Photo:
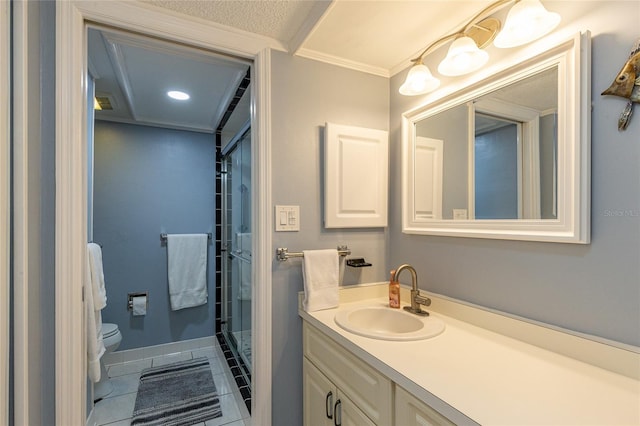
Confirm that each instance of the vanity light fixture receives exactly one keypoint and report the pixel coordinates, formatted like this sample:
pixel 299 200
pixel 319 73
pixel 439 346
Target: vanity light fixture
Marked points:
pixel 464 57
pixel 178 95
pixel 419 80
pixel 527 21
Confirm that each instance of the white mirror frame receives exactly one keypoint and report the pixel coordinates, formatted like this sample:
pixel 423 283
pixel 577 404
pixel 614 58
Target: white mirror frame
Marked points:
pixel 573 59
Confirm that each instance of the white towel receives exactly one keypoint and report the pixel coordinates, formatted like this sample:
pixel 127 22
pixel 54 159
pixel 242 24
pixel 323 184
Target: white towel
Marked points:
pixel 93 320
pixel 97 276
pixel 320 273
pixel 187 270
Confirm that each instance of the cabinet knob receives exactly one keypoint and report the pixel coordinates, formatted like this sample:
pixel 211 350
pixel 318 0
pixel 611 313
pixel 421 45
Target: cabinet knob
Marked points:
pixel 337 413
pixel 328 405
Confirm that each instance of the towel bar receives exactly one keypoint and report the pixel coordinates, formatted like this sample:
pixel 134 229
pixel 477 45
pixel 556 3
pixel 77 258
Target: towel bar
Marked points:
pixel 283 254
pixel 163 238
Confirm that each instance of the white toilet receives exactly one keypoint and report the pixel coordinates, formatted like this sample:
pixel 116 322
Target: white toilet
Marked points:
pixel 111 337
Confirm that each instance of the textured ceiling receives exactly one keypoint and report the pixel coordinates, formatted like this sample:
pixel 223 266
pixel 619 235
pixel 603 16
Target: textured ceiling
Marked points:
pixel 271 18
pixel 375 36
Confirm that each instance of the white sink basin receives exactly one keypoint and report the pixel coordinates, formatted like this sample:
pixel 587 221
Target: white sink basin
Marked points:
pixel 386 323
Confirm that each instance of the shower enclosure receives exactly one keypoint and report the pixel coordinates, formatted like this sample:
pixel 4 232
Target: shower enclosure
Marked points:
pixel 236 238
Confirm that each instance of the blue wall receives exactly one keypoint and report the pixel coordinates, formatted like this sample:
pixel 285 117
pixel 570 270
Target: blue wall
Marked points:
pixel 305 95
pixel 150 181
pixel 496 174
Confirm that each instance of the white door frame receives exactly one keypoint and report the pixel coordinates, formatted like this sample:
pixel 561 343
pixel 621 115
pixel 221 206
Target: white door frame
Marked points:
pixel 5 205
pixel 71 181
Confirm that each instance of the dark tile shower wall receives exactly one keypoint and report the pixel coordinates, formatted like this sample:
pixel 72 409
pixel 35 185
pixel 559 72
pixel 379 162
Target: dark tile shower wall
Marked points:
pixel 218 234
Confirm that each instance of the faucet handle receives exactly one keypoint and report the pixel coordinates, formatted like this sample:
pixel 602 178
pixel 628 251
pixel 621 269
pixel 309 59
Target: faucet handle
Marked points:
pixel 422 300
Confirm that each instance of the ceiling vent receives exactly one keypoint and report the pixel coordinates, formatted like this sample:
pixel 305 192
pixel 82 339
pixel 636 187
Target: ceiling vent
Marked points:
pixel 104 102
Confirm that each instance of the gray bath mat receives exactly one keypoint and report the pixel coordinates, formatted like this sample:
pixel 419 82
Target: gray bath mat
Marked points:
pixel 182 393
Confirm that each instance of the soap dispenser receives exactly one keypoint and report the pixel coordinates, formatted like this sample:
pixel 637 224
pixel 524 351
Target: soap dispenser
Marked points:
pixel 394 291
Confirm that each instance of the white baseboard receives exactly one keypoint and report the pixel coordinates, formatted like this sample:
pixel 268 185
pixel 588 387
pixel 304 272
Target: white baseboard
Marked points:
pixel 158 350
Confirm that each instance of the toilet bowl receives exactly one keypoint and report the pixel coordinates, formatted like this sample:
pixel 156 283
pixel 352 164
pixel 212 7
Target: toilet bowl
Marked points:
pixel 111 337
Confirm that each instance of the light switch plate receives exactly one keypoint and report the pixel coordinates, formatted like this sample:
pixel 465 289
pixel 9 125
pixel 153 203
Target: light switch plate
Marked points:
pixel 287 218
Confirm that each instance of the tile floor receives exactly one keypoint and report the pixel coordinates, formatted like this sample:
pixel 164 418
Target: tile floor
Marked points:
pixel 116 409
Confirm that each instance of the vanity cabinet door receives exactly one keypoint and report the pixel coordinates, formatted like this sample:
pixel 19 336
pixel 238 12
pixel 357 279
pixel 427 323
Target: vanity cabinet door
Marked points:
pixel 412 412
pixel 319 396
pixel 366 387
pixel 347 414
pixel 324 404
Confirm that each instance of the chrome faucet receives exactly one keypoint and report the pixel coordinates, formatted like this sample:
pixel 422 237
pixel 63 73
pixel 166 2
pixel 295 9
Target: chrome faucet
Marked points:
pixel 416 298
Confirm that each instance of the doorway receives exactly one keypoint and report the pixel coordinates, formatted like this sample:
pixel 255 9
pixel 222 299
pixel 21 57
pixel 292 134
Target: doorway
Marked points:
pixel 71 180
pixel 153 173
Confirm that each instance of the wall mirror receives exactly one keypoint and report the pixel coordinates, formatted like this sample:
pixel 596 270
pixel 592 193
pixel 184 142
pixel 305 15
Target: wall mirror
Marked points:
pixel 506 158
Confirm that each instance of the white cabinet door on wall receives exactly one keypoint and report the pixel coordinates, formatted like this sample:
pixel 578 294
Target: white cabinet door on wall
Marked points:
pixel 356 177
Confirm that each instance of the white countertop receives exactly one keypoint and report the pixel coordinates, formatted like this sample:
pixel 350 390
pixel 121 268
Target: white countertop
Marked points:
pixel 491 378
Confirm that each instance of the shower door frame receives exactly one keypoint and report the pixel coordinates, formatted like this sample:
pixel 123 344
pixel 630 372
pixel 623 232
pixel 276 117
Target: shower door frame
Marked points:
pixel 72 18
pixel 226 151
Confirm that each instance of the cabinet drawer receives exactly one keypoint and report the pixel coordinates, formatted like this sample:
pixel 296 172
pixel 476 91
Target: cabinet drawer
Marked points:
pixel 410 411
pixel 368 389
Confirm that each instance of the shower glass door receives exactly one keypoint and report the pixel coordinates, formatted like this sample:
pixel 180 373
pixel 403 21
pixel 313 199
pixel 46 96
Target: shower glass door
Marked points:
pixel 237 240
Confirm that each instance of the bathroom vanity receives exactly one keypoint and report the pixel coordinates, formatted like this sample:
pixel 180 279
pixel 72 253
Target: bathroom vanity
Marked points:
pixel 485 368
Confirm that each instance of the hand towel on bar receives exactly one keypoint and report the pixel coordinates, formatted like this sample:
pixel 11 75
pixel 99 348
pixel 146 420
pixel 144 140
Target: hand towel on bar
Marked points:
pixel 93 320
pixel 97 276
pixel 320 273
pixel 187 270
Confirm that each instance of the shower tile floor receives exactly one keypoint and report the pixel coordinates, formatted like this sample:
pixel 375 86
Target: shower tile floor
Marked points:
pixel 116 409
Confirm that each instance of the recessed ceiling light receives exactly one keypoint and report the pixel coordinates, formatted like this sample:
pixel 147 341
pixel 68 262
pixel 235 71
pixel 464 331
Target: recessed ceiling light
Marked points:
pixel 176 94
